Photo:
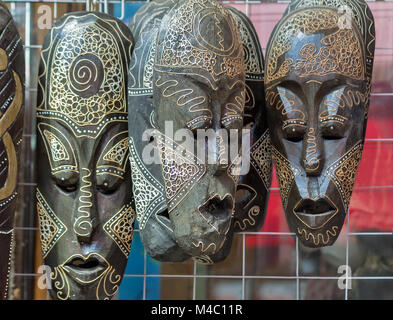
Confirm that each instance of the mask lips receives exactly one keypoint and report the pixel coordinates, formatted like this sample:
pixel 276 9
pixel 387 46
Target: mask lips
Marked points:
pixel 315 213
pixel 218 212
pixel 86 269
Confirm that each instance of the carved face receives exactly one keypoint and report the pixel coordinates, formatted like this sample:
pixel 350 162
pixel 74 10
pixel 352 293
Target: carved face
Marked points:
pixel 199 82
pixel 84 201
pixel 148 184
pixel 317 91
pixel 251 197
pixel 253 188
pixel 11 129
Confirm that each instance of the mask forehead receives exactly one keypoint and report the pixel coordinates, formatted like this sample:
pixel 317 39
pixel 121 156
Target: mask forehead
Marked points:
pixel 199 49
pixel 84 195
pixel 339 51
pixel 200 37
pixel 85 75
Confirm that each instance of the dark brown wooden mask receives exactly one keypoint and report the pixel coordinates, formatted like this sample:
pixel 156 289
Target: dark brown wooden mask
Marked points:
pixel 198 83
pixel 318 80
pixel 152 210
pixel 84 198
pixel 12 77
pixel 253 187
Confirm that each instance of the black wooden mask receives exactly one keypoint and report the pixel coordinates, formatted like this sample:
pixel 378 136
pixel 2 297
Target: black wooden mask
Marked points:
pixel 84 197
pixel 198 83
pixel 156 230
pixel 12 78
pixel 318 81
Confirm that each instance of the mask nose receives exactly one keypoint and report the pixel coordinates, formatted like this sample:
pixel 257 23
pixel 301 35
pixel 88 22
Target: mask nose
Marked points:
pixel 83 224
pixel 313 158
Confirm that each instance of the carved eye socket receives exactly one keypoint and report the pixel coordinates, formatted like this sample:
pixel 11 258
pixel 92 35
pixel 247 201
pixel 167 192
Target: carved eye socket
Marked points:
pixel 294 133
pixel 332 131
pixel 69 189
pixel 108 185
pixel 66 181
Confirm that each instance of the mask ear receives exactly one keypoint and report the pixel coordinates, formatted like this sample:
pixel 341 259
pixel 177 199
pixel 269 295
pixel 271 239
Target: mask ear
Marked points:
pixel 59 150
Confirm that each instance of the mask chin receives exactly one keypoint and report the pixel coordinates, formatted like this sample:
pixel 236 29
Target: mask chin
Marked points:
pixel 163 246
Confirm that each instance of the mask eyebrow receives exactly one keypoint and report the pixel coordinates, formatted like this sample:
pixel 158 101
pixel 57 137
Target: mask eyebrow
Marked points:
pixel 329 86
pixel 294 87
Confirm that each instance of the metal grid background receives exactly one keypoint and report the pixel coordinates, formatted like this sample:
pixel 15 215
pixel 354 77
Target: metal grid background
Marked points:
pixel 24 274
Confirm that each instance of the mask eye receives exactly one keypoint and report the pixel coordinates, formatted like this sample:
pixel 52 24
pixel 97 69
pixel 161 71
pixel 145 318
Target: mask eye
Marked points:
pixel 69 189
pixel 294 133
pixel 66 181
pixel 108 184
pixel 332 131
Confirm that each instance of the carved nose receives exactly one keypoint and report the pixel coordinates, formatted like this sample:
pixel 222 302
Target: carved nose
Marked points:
pixel 83 225
pixel 83 229
pixel 312 154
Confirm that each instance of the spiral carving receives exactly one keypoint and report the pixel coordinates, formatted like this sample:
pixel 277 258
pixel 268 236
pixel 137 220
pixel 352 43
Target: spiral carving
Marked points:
pixel 86 75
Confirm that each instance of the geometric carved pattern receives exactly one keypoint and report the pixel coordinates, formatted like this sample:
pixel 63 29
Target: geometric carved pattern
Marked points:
pixel 184 48
pixel 57 148
pixel 50 226
pixel 261 158
pixel 180 169
pixel 84 87
pixel 286 174
pixel 318 238
pixel 343 172
pixel 120 228
pixel 148 193
pixel 252 60
pixel 117 153
pixel 346 60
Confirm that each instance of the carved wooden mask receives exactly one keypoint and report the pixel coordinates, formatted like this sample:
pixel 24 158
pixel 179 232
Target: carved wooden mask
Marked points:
pixel 84 197
pixel 318 80
pixel 12 77
pixel 152 214
pixel 198 83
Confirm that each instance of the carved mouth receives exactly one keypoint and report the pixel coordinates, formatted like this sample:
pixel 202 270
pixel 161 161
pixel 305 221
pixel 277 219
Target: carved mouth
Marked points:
pixel 86 269
pixel 315 213
pixel 218 212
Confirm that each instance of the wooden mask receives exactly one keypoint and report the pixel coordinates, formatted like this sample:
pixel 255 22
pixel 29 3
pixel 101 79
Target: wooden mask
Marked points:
pixel 155 226
pixel 318 81
pixel 84 197
pixel 198 83
pixel 12 78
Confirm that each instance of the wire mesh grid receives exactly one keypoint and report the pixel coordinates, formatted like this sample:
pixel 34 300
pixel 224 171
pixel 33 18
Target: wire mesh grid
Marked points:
pixel 23 13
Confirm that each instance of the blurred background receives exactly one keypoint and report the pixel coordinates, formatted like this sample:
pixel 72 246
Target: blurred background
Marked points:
pixel 271 263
